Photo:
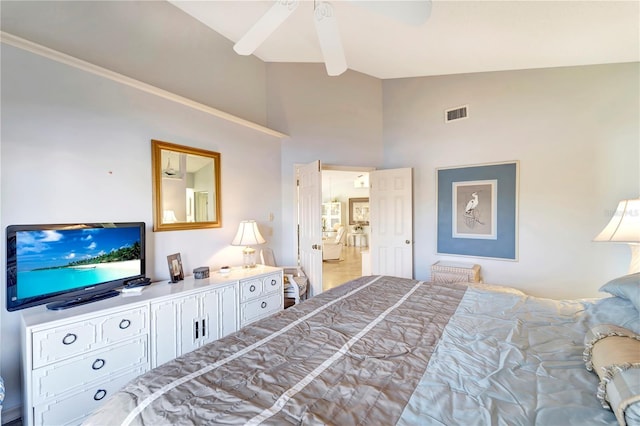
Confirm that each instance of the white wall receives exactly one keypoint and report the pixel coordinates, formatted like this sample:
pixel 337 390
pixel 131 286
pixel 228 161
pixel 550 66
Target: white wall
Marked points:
pixel 151 41
pixel 77 147
pixel 337 120
pixel 576 134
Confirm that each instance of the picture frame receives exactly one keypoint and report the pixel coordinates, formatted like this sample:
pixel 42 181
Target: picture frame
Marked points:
pixel 176 272
pixel 359 211
pixel 477 210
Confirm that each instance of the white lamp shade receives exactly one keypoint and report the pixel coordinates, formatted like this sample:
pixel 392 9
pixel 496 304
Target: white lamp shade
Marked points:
pixel 248 234
pixel 624 226
pixel 169 216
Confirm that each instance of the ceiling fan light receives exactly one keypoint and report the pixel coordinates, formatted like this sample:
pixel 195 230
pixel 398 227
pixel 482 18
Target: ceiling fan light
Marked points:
pixel 329 37
pixel 265 26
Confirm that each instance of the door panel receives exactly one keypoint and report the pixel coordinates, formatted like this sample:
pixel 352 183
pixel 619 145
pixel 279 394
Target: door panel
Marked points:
pixel 391 209
pixel 310 224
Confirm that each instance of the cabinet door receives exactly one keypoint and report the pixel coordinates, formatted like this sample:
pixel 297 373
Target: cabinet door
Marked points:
pixel 190 326
pixel 228 310
pixel 164 332
pixel 210 320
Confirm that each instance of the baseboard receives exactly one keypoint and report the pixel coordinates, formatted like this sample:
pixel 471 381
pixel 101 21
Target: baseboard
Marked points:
pixel 11 414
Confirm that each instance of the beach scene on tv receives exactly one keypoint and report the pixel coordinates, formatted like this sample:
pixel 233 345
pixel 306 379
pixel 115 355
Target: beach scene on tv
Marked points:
pixel 58 260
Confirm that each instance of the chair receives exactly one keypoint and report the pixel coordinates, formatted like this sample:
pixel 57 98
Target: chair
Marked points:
pixel 332 249
pixel 296 282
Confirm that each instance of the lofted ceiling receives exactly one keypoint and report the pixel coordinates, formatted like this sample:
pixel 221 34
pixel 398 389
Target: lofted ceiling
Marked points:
pixel 459 37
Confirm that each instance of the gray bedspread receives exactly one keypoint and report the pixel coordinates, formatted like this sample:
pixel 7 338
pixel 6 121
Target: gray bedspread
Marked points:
pixel 352 355
pixel 384 351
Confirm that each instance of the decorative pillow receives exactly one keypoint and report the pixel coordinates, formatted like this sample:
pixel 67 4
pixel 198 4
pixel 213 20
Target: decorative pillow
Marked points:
pixel 626 287
pixel 613 352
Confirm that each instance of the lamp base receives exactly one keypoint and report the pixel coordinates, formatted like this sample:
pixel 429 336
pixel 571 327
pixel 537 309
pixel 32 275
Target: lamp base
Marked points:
pixel 249 257
pixel 634 266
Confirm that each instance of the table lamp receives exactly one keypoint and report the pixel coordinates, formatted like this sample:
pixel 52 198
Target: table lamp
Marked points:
pixel 624 227
pixel 248 235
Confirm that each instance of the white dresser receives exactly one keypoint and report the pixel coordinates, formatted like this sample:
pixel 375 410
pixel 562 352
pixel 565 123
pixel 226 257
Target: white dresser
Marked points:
pixel 73 359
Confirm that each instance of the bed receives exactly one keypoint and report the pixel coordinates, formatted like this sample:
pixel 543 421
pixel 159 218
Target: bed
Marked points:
pixel 388 350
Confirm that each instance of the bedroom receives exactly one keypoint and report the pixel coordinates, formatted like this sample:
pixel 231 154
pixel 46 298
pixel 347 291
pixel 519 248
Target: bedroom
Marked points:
pixel 78 144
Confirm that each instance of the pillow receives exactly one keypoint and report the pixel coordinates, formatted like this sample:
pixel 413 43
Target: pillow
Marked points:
pixel 626 287
pixel 613 352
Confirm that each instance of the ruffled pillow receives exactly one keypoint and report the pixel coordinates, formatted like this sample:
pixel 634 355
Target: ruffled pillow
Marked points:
pixel 626 287
pixel 613 352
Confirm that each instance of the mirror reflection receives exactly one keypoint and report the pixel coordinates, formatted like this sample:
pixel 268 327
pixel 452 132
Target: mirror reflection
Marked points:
pixel 186 187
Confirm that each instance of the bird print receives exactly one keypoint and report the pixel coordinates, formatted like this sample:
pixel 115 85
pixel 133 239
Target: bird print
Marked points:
pixel 471 214
pixel 472 204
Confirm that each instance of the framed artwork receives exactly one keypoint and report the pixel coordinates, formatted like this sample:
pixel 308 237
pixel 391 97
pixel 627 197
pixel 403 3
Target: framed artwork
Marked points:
pixel 358 211
pixel 175 267
pixel 477 212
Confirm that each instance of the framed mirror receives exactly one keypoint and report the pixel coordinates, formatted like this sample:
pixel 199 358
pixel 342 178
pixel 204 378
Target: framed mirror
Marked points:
pixel 186 187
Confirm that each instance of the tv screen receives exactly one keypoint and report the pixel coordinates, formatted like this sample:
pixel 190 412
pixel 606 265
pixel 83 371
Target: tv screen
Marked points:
pixel 64 265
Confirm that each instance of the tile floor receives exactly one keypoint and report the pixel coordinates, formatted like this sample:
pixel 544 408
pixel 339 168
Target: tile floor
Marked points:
pixel 336 272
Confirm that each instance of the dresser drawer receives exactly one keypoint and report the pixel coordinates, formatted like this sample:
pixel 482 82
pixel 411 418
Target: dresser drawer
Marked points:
pixel 72 339
pixel 250 289
pixel 65 376
pixel 59 343
pixel 255 309
pixel 124 325
pixel 272 284
pixel 74 408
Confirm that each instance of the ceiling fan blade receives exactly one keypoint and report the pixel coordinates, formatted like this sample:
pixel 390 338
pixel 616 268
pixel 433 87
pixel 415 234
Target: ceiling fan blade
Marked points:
pixel 329 37
pixel 413 12
pixel 265 26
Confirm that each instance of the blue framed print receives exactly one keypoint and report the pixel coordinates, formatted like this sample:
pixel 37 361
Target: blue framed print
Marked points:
pixel 478 210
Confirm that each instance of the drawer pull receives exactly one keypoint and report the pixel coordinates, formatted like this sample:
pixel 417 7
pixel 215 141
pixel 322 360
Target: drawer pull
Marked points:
pixel 69 339
pixel 125 323
pixel 273 282
pixel 252 288
pixel 98 364
pixel 100 393
pixel 263 305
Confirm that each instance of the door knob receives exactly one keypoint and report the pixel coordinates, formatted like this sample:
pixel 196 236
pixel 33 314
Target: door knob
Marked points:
pixel 407 242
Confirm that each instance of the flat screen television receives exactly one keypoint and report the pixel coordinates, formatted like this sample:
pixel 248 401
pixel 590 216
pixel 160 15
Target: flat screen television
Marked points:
pixel 65 265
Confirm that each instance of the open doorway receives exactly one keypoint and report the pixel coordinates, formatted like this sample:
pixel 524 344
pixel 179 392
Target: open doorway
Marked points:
pixel 345 204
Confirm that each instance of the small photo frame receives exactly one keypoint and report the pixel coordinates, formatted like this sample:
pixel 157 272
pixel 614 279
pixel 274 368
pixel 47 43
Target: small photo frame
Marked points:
pixel 175 267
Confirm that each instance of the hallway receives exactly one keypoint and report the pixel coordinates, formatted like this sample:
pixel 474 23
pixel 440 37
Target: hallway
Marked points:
pixel 335 272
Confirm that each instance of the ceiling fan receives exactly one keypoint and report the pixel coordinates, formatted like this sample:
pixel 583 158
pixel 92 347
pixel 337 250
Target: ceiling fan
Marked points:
pixel 414 12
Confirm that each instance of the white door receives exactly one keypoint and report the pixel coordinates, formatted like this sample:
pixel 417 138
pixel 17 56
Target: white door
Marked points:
pixel 391 219
pixel 310 224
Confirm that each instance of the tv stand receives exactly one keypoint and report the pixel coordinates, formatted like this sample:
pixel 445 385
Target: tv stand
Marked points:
pixel 75 358
pixel 66 304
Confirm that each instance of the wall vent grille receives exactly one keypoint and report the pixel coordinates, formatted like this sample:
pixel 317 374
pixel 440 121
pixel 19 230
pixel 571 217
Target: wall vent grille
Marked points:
pixel 457 113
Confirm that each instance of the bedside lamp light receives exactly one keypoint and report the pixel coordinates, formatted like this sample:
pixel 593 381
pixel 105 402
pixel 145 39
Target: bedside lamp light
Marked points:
pixel 624 227
pixel 248 235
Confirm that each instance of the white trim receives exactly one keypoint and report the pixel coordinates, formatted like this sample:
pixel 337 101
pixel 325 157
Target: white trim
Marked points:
pixel 63 58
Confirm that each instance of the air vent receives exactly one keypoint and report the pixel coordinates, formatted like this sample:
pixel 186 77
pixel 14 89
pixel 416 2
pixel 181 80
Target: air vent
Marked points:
pixel 457 113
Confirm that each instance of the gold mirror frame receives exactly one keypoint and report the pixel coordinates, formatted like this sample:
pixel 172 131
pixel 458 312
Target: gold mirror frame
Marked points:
pixel 163 214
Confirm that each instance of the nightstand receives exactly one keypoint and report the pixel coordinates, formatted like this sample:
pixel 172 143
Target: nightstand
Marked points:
pixel 453 272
